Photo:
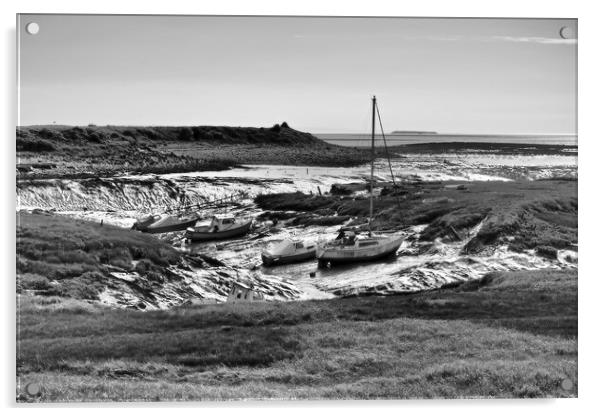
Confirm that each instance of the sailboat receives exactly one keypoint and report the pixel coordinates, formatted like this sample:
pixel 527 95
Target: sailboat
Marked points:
pixel 350 246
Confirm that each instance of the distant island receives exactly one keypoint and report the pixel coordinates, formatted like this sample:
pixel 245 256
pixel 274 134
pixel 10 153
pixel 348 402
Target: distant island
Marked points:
pixel 413 132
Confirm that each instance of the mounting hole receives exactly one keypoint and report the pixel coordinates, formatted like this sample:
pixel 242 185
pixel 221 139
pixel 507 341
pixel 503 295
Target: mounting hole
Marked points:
pixel 33 389
pixel 567 32
pixel 32 28
pixel 566 384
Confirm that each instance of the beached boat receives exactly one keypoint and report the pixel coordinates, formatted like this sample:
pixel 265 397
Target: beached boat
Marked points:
pixel 220 228
pixel 144 222
pixel 350 247
pixel 241 293
pixel 288 251
pixel 156 224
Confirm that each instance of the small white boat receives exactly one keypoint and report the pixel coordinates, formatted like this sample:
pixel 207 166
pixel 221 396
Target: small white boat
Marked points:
pixel 349 247
pixel 288 251
pixel 243 293
pixel 219 228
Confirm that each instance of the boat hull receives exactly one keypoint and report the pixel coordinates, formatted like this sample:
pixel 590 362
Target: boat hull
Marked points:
pixel 219 235
pixel 168 228
pixel 269 260
pixel 143 224
pixel 352 255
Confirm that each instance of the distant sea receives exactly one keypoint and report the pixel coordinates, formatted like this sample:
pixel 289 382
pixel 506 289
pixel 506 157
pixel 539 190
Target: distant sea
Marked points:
pixel 361 140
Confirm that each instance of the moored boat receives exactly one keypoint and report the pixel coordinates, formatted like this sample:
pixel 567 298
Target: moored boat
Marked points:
pixel 220 228
pixel 348 246
pixel 156 224
pixel 144 222
pixel 288 251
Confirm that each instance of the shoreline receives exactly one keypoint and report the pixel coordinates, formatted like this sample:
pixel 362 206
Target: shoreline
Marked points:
pixel 226 157
pixel 53 152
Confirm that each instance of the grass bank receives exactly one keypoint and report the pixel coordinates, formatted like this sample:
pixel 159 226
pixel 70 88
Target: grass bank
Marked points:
pixel 58 255
pixel 67 258
pixel 509 335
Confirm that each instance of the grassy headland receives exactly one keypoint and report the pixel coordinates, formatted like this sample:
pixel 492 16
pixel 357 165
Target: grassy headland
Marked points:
pixel 67 151
pixel 508 335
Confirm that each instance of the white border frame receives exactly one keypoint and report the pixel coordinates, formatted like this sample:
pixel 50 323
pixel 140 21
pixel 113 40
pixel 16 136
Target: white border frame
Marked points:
pixel 589 153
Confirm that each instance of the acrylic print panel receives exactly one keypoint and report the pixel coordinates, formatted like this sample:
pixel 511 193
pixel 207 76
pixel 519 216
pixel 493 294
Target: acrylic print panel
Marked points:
pixel 218 208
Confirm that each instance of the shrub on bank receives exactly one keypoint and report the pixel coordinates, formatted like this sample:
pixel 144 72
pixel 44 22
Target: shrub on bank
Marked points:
pixel 547 252
pixel 34 145
pixel 32 281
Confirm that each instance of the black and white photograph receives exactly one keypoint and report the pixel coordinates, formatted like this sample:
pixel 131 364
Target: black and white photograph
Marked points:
pixel 228 208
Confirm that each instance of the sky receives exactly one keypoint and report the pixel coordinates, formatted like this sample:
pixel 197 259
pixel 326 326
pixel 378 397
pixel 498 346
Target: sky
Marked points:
pixel 489 76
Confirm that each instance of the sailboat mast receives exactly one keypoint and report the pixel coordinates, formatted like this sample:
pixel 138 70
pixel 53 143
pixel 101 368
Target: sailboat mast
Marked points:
pixel 372 167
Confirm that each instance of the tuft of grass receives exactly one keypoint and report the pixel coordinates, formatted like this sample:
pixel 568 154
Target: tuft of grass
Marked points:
pixel 297 201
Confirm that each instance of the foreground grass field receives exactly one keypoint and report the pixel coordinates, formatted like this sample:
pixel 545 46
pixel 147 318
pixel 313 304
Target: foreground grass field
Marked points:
pixel 508 335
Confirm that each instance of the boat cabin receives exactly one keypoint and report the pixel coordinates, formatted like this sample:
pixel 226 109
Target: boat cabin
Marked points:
pixel 290 247
pixel 221 223
pixel 346 238
pixel 243 293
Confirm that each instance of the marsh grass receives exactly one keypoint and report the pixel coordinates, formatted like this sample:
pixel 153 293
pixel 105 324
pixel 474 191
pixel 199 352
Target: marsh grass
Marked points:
pixel 494 338
pixel 69 257
pixel 525 215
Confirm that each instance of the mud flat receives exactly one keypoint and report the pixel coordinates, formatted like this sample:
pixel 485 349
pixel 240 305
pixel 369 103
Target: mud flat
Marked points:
pixel 462 216
pixel 500 148
pixel 455 231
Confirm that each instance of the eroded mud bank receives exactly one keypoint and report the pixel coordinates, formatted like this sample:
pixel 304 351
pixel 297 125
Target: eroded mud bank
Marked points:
pixel 426 260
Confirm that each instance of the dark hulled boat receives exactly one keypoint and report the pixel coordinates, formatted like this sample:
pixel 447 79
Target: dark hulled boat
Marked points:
pixel 157 224
pixel 220 228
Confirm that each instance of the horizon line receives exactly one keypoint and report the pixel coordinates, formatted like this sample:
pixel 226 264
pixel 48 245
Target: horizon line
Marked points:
pixel 412 132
